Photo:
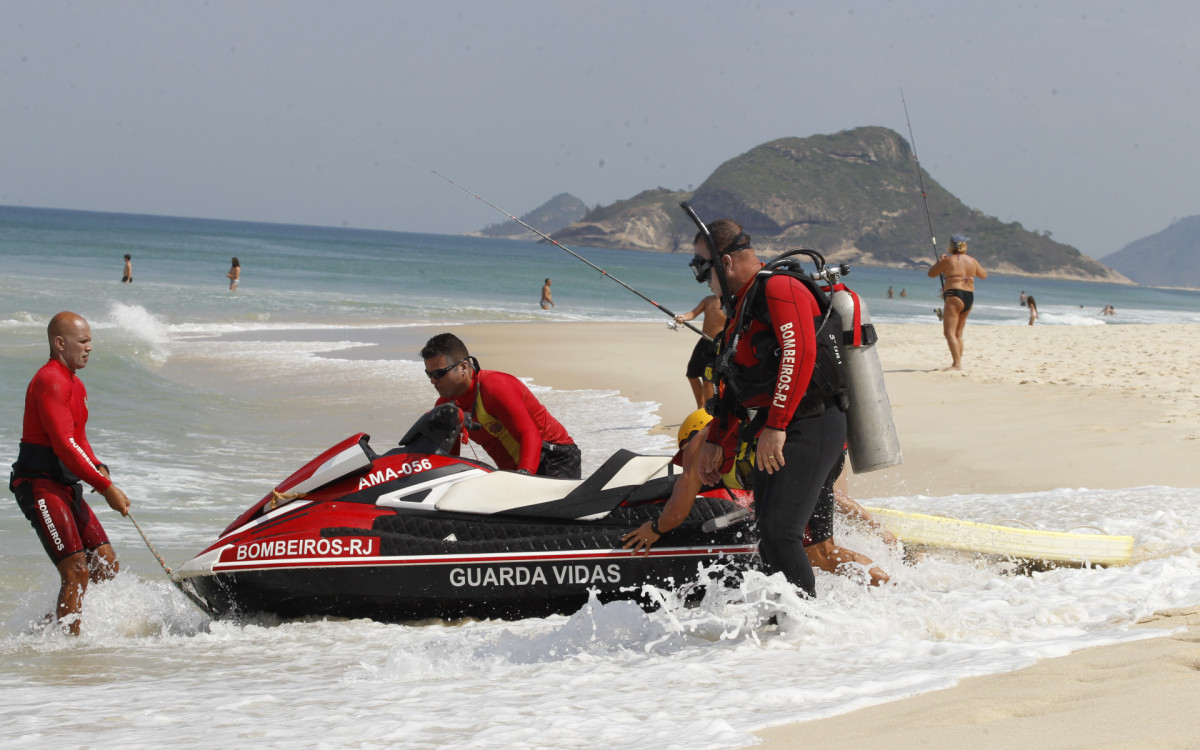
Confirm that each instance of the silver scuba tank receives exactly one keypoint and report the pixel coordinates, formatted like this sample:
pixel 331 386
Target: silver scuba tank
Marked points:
pixel 871 432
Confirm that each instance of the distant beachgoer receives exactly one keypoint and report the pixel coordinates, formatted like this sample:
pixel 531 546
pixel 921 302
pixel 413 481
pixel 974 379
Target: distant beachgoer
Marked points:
pixel 54 458
pixel 547 301
pixel 127 274
pixel 889 292
pixel 1108 310
pixel 1033 314
pixel 960 272
pixel 704 354
pixel 903 292
pixel 1023 298
pixel 234 275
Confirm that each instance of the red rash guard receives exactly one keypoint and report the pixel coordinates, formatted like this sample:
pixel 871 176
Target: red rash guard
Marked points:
pixel 513 423
pixel 792 310
pixel 56 416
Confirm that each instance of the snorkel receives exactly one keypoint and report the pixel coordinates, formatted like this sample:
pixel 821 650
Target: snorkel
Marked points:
pixel 715 266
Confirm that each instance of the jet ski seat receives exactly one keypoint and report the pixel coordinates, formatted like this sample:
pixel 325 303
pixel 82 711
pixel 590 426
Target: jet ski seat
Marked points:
pixel 619 478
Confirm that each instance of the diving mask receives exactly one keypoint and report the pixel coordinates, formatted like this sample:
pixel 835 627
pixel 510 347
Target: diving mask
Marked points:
pixel 701 268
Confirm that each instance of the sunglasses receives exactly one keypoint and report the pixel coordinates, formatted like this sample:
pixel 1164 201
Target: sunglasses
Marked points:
pixel 701 268
pixel 441 373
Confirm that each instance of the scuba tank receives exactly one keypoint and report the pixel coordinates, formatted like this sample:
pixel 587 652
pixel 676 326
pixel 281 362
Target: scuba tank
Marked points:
pixel 871 432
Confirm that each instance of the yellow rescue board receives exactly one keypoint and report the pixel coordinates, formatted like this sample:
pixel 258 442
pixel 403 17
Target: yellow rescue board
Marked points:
pixel 1028 544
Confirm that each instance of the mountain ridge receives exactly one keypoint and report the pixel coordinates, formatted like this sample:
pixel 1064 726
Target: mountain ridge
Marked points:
pixel 853 196
pixel 1168 256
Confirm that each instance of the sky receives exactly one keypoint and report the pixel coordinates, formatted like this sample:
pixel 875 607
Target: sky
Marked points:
pixel 1077 118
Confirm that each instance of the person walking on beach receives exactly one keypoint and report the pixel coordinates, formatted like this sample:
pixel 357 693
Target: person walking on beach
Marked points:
pixel 792 383
pixel 1024 299
pixel 704 353
pixel 127 274
pixel 235 274
pixel 1033 313
pixel 54 457
pixel 960 272
pixel 502 415
pixel 547 301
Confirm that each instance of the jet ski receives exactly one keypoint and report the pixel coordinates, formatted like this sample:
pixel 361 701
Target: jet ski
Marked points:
pixel 417 532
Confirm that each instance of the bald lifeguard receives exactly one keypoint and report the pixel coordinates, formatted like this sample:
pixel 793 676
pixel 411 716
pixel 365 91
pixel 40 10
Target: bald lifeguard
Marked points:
pixel 70 339
pixel 54 461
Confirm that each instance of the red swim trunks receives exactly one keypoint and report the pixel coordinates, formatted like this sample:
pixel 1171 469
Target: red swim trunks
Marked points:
pixel 65 523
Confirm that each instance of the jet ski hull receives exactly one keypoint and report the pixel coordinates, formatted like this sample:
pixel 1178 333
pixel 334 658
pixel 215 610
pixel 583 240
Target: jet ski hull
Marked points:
pixel 415 534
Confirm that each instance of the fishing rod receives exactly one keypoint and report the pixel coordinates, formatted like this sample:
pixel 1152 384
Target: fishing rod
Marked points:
pixel 574 254
pixel 921 180
pixel 195 599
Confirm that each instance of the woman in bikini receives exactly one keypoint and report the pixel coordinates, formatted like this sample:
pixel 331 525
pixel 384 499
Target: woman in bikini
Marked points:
pixel 958 290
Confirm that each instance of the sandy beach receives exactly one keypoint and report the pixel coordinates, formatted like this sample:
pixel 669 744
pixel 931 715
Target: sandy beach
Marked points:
pixel 1037 408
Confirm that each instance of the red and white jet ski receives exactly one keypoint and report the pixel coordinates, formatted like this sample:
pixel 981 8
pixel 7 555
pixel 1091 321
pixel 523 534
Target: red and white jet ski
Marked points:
pixel 417 532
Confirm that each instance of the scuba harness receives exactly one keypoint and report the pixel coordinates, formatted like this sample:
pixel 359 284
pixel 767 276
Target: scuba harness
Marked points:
pixel 826 385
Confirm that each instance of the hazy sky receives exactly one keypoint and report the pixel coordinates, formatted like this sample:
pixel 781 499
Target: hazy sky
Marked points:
pixel 1080 118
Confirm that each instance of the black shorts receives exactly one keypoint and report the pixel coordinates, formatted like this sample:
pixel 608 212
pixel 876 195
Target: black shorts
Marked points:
pixel 704 355
pixel 560 460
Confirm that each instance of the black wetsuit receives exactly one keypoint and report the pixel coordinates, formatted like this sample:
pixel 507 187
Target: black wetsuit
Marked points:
pixel 782 372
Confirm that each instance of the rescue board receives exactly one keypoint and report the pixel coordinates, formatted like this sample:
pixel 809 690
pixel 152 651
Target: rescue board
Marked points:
pixel 1064 547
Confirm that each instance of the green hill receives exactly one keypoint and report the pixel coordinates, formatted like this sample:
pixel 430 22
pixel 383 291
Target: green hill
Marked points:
pixel 556 213
pixel 854 196
pixel 1169 258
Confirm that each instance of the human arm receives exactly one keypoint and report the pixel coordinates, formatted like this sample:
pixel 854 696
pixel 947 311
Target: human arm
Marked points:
pixel 791 309
pixel 116 499
pixel 694 312
pixel 64 429
pixel 851 508
pixel 677 507
pixel 937 269
pixel 113 495
pixel 768 455
pixel 504 397
pixel 980 272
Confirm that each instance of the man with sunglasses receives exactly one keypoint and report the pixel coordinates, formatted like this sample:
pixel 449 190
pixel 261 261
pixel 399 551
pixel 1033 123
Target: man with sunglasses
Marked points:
pixel 503 416
pixel 781 387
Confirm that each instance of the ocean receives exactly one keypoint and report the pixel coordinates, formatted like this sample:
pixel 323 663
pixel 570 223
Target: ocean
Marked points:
pixel 201 399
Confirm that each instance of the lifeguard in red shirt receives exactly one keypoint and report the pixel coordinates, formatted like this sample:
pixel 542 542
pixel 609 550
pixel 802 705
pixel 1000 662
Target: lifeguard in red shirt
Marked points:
pixel 55 456
pixel 504 417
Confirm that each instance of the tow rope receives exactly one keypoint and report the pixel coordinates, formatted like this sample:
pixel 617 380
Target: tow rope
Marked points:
pixel 194 599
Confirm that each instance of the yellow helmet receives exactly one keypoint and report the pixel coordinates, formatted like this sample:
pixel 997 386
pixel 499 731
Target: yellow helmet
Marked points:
pixel 693 424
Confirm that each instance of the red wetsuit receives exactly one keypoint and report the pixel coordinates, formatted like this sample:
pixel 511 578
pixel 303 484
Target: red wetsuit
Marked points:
pixel 56 417
pixel 513 423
